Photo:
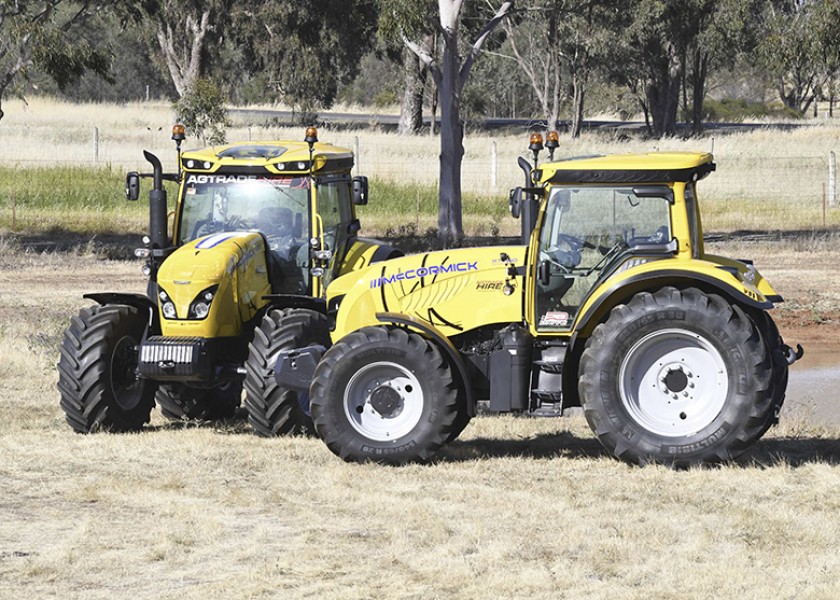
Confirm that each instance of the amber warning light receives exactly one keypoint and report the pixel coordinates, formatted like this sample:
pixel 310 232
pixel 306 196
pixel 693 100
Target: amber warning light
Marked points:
pixel 179 132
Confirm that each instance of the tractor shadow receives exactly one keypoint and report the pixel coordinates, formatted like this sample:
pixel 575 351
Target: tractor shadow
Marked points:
pixel 765 454
pixel 560 445
pixel 792 452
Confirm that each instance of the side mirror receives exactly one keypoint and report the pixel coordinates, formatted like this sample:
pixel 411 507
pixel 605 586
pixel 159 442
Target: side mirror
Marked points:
pixel 360 191
pixel 132 185
pixel 515 202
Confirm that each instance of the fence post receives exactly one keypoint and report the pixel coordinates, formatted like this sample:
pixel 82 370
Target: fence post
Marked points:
pixel 96 145
pixel 832 179
pixel 249 134
pixel 494 165
pixel 356 153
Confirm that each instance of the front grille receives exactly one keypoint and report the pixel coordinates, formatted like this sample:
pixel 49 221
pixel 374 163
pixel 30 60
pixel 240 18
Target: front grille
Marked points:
pixel 175 359
pixel 172 351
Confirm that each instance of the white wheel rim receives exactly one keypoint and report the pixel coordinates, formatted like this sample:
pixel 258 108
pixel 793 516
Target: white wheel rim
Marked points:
pixel 673 382
pixel 383 401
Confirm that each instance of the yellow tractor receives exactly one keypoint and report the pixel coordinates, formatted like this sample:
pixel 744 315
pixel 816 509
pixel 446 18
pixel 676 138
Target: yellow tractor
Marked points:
pixel 610 303
pixel 260 229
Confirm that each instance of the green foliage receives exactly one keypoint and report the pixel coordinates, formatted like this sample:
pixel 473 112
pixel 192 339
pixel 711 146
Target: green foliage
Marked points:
pixel 734 110
pixel 309 48
pixel 202 112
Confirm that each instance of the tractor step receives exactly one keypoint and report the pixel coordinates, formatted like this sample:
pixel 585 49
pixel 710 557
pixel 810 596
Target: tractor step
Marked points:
pixel 549 366
pixel 548 396
pixel 548 410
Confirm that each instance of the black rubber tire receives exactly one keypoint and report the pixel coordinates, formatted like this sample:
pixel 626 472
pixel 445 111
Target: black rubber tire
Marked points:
pixel 401 351
pixel 180 402
pixel 708 318
pixel 97 371
pixel 776 348
pixel 274 410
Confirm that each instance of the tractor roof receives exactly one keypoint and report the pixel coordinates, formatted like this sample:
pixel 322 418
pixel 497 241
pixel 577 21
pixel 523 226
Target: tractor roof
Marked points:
pixel 279 156
pixel 654 167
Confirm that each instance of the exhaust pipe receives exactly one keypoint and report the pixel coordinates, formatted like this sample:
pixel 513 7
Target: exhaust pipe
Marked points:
pixel 157 205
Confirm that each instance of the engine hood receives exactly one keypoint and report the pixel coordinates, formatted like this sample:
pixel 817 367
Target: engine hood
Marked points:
pixel 452 290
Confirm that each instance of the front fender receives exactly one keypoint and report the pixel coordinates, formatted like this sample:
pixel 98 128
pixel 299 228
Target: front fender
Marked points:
pixel 138 301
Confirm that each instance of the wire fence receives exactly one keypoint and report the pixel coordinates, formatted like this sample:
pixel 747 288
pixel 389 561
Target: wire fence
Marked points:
pixel 757 191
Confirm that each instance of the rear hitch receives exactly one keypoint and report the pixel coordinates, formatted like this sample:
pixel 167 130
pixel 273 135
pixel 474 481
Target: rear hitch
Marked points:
pixel 791 355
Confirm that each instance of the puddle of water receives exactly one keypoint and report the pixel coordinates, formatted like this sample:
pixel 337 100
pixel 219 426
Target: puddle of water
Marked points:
pixel 813 385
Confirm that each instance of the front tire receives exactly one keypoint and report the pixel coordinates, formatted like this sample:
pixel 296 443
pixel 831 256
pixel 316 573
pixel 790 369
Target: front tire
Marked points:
pixel 98 371
pixel 386 395
pixel 274 410
pixel 678 377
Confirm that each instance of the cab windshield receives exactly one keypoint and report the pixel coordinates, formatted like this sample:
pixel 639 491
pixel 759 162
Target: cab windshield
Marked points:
pixel 277 206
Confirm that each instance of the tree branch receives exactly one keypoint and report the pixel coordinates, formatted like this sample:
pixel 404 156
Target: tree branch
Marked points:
pixel 464 74
pixel 425 57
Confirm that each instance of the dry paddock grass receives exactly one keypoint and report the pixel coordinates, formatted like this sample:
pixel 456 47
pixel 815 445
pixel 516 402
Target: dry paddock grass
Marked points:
pixel 517 508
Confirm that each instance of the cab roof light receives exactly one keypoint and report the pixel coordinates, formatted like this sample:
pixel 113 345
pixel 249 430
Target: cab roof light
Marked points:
pixel 311 135
pixel 552 142
pixel 179 132
pixel 536 142
pixel 535 145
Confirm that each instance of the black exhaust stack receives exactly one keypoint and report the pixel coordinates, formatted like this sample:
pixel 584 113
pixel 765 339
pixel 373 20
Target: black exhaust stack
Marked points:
pixel 157 205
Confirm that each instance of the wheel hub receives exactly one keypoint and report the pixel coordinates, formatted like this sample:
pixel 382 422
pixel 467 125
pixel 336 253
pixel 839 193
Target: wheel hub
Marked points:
pixel 675 381
pixel 386 401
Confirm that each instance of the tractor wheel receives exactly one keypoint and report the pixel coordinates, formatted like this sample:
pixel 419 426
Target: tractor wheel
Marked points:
pixel 386 395
pixel 98 371
pixel 272 409
pixel 776 349
pixel 679 377
pixel 180 402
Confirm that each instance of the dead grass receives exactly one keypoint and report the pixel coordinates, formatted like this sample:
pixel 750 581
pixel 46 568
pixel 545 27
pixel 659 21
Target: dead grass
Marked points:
pixel 516 508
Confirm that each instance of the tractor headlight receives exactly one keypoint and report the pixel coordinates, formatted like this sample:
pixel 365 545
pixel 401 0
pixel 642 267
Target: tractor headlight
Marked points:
pixel 200 307
pixel 169 310
pixel 167 307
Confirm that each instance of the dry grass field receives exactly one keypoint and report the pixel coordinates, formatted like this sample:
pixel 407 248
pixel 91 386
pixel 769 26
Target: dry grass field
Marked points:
pixel 516 508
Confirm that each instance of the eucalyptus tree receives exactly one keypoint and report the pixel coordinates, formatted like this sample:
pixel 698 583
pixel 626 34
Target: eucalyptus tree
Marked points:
pixel 183 33
pixel 307 48
pixel 450 71
pixel 48 36
pixel 789 51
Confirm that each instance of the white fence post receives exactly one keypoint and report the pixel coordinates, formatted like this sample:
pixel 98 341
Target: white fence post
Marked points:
pixel 96 145
pixel 494 166
pixel 832 179
pixel 357 156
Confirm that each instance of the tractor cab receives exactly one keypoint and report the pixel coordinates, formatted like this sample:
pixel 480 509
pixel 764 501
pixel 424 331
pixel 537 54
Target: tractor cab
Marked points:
pixel 299 196
pixel 601 215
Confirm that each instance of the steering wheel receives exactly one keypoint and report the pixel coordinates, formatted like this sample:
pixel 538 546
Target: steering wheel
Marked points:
pixel 575 244
pixel 206 227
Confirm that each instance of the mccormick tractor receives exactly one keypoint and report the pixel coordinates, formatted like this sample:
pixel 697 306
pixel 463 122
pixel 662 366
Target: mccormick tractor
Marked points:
pixel 610 303
pixel 260 229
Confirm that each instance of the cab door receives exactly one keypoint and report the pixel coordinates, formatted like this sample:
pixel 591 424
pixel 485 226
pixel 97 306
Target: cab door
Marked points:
pixel 335 211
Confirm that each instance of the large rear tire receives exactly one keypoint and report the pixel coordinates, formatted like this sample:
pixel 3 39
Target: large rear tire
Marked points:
pixel 98 371
pixel 274 410
pixel 777 349
pixel 180 402
pixel 386 395
pixel 679 377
